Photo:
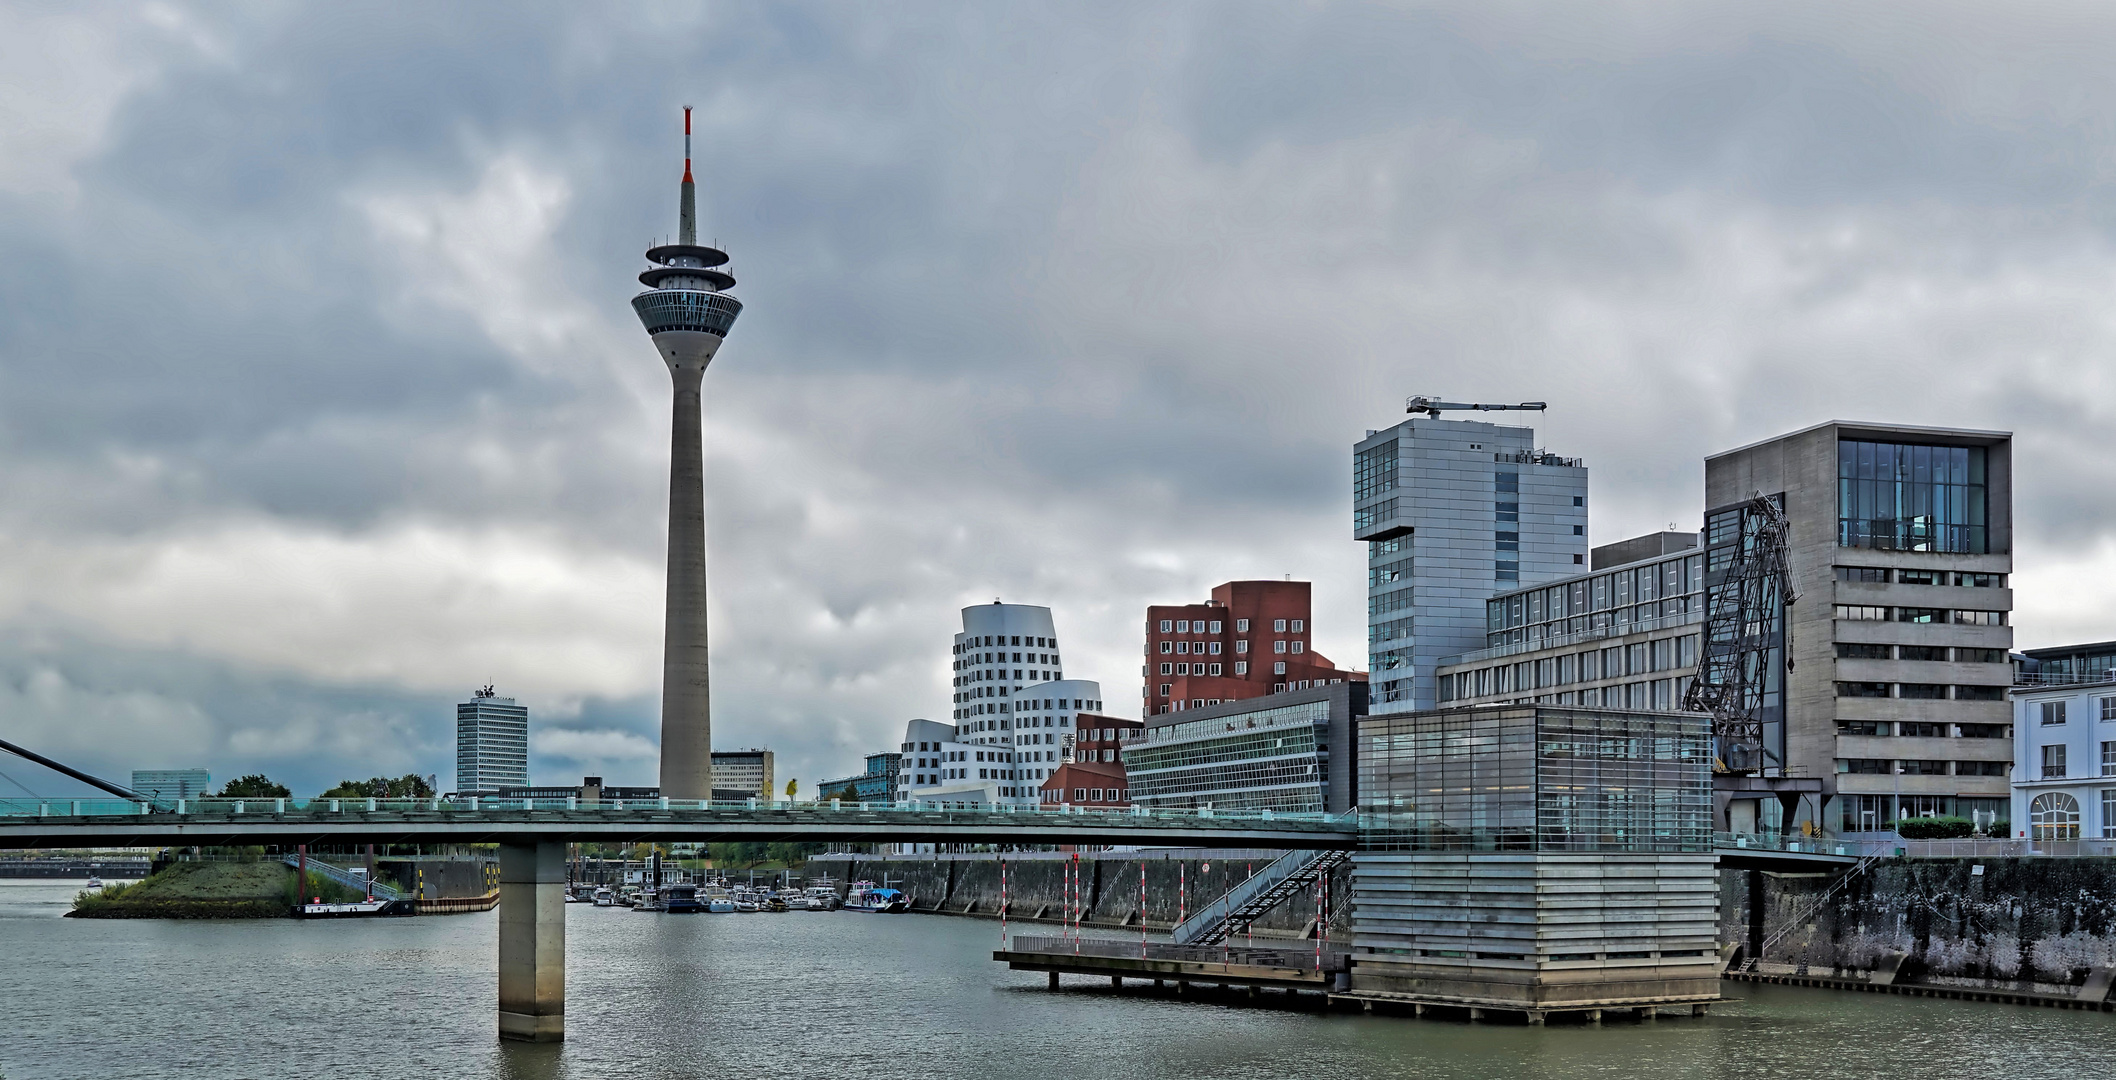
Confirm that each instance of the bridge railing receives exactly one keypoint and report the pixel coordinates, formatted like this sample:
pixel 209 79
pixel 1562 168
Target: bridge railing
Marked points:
pixel 1792 843
pixel 646 809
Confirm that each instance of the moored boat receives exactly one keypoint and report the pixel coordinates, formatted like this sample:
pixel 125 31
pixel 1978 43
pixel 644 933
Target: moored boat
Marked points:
pixel 867 897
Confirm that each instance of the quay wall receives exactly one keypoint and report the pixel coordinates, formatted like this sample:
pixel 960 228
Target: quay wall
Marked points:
pixel 1108 881
pixel 2038 924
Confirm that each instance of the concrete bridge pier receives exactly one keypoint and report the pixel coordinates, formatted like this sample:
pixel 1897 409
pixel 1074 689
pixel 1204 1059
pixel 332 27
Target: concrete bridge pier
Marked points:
pixel 533 942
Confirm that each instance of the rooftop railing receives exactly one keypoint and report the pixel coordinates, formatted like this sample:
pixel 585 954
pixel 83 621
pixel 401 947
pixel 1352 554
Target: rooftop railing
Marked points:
pixel 2062 678
pixel 575 807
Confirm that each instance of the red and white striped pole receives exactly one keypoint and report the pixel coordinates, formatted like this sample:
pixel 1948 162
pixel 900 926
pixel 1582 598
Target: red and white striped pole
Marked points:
pixel 1004 896
pixel 1318 923
pixel 1182 891
pixel 1142 909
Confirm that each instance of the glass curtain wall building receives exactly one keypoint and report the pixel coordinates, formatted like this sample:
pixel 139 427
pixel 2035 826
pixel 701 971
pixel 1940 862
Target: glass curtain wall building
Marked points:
pixel 1287 753
pixel 1537 778
pixel 1452 511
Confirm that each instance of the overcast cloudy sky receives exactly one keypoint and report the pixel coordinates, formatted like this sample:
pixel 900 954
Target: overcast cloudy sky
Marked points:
pixel 321 402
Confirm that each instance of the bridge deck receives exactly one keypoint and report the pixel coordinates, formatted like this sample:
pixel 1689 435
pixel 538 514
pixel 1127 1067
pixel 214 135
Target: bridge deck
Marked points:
pixel 28 823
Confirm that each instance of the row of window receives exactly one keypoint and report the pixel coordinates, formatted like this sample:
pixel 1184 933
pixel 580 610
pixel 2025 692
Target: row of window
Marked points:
pixel 1241 626
pixel 1001 658
pixel 2054 765
pixel 1388 630
pixel 1881 575
pixel 1886 767
pixel 993 641
pixel 1639 658
pixel 1920 691
pixel 1506 510
pixel 1660 695
pixel 1241 667
pixel 1878 613
pixel 1600 593
pixel 1085 795
pixel 2055 712
pixel 1923 729
pixel 1859 650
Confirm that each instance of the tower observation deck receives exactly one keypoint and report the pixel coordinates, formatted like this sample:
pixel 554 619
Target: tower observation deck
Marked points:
pixel 687 311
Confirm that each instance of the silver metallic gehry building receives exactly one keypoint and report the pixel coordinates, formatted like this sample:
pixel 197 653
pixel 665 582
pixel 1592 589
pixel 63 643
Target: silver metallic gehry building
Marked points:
pixel 688 312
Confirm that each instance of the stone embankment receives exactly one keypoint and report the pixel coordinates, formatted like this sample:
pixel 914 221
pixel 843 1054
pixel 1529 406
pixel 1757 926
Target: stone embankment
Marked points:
pixel 1104 890
pixel 2042 926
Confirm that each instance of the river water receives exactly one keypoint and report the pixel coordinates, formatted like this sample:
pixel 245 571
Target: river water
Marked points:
pixel 815 995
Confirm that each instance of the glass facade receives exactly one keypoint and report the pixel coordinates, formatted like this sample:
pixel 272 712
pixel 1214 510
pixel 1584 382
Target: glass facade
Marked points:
pixel 1271 759
pixel 1373 471
pixel 1596 605
pixel 1536 778
pixel 681 309
pixel 1907 497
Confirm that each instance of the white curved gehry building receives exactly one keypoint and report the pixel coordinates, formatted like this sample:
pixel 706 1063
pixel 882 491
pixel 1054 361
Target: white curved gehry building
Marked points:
pixel 1013 709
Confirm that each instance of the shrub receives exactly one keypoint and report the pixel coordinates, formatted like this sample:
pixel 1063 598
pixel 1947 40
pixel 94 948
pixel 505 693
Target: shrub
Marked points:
pixel 1934 828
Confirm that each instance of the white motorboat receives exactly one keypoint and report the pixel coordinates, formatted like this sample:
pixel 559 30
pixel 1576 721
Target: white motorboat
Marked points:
pixel 604 897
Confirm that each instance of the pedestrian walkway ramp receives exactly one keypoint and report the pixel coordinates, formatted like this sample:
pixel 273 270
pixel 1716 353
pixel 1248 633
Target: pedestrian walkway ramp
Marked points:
pixel 1252 899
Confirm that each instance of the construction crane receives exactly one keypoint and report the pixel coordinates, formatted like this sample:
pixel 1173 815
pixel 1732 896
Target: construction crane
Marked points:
pixel 1744 611
pixel 1433 407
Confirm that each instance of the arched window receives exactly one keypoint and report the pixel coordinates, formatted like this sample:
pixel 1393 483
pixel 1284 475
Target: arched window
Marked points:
pixel 2055 816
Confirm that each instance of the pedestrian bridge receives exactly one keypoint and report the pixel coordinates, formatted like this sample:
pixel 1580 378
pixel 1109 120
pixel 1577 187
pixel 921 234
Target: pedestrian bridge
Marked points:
pixel 109 822
pixel 532 836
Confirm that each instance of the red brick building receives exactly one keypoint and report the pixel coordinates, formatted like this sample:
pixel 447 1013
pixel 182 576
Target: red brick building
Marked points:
pixel 1087 783
pixel 1101 738
pixel 1252 638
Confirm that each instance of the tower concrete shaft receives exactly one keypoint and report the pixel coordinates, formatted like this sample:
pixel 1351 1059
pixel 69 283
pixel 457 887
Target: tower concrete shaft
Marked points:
pixel 688 313
pixel 686 677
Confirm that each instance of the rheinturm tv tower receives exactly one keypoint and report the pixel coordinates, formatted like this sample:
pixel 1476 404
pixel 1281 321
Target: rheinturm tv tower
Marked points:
pixel 688 312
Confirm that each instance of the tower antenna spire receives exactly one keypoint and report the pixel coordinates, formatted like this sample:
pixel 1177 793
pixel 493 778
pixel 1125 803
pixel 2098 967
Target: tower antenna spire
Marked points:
pixel 687 215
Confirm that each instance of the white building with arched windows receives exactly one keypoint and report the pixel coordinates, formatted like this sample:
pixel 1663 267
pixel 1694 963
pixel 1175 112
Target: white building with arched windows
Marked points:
pixel 2064 761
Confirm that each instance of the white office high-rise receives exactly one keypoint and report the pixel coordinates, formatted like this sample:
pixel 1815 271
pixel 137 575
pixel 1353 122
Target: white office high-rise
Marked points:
pixel 492 743
pixel 1453 511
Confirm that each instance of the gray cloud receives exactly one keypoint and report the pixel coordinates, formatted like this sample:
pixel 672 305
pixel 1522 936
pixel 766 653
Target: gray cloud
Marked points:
pixel 320 402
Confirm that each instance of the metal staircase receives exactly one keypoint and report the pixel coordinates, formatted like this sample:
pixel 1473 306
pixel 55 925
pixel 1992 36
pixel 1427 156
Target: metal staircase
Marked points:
pixel 380 890
pixel 1748 964
pixel 1247 902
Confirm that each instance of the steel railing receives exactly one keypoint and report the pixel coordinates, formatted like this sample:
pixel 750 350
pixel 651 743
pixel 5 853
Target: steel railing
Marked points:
pixel 339 874
pixel 649 808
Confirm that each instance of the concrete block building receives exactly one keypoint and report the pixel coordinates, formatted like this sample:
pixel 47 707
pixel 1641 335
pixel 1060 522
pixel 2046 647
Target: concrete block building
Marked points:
pixel 1885 695
pixel 750 771
pixel 1452 511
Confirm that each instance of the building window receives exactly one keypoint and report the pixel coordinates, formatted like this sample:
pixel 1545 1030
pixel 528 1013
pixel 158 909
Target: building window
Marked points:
pixel 1167 625
pixel 1980 618
pixel 2108 710
pixel 1863 766
pixel 2053 761
pixel 1980 581
pixel 1848 650
pixel 1862 689
pixel 1374 471
pixel 2055 816
pixel 1862 727
pixel 2108 813
pixel 1900 497
pixel 1923 691
pixel 1168 669
pixel 1982 768
pixel 1980 693
pixel 1213 649
pixel 1921 615
pixel 1278 646
pixel 1183 647
pixel 1241 626
pixel 1278 668
pixel 2053 713
pixel 1917 730
pixel 1865 612
pixel 1168 647
pixel 1278 625
pixel 1924 768
pixel 1918 577
pixel 1872 574
pixel 1164 689
pixel 1241 667
pixel 1242 645
pixel 1299 647
pixel 1297 625
pixel 1215 670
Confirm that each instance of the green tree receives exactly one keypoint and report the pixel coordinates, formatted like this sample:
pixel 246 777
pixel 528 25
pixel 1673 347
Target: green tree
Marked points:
pixel 408 786
pixel 848 793
pixel 253 786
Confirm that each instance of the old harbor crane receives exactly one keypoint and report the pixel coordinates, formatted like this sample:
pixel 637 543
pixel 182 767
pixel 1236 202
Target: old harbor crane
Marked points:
pixel 1747 590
